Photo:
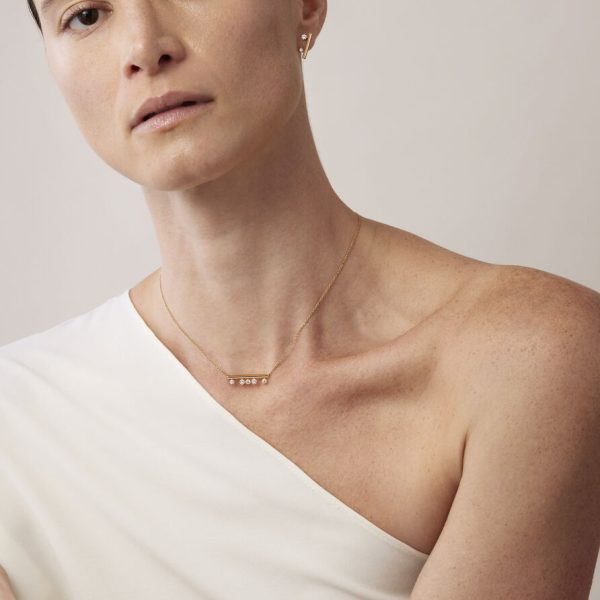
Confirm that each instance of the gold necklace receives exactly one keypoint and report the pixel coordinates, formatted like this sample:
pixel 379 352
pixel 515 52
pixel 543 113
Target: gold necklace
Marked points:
pixel 263 378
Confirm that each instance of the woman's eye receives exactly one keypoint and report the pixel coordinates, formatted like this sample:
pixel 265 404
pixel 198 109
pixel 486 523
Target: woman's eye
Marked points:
pixel 85 16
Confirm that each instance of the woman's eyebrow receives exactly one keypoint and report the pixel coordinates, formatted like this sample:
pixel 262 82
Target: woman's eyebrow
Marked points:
pixel 45 5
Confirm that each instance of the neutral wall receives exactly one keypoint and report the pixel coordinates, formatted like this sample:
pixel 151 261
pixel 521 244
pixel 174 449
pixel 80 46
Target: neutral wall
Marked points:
pixel 473 124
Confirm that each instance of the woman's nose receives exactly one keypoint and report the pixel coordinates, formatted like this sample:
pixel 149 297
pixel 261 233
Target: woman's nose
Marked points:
pixel 152 43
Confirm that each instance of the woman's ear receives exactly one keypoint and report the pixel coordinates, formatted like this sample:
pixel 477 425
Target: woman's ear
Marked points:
pixel 313 13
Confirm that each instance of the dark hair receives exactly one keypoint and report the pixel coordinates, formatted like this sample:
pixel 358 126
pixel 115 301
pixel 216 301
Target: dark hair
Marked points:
pixel 34 13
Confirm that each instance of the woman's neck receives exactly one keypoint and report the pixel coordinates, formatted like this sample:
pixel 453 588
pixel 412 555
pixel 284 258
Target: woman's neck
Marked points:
pixel 245 256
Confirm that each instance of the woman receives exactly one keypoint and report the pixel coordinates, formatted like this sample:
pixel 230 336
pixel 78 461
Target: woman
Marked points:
pixel 300 402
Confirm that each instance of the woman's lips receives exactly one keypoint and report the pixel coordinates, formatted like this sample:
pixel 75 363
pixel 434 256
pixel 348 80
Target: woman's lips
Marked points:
pixel 169 118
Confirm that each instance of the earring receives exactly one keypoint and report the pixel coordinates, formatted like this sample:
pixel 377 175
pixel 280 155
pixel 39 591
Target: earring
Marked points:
pixel 304 52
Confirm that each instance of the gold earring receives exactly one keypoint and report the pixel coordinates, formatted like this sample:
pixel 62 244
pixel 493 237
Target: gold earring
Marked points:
pixel 304 52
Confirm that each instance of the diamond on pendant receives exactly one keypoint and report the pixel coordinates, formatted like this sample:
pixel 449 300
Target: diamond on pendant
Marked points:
pixel 242 382
pixel 232 381
pixel 264 380
pixel 254 381
pixel 304 36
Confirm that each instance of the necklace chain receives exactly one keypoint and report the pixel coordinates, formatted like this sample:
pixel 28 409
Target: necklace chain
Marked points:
pixel 253 379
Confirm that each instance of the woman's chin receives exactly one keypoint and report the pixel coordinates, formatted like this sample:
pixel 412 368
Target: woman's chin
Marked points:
pixel 177 178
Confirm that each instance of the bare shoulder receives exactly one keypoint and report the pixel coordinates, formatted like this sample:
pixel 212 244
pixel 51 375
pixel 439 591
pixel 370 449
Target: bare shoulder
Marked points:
pixel 511 291
pixel 525 521
pixel 526 334
pixel 490 305
pixel 529 318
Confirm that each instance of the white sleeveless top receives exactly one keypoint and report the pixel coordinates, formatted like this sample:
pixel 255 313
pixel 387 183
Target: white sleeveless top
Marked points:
pixel 121 478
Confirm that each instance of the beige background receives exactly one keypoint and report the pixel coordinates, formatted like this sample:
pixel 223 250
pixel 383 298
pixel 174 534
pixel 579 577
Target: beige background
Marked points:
pixel 473 124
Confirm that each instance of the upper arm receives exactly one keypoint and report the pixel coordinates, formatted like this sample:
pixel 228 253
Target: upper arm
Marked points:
pixel 525 520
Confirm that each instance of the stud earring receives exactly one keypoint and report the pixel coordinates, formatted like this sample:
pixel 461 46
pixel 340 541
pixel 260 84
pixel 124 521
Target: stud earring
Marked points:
pixel 304 52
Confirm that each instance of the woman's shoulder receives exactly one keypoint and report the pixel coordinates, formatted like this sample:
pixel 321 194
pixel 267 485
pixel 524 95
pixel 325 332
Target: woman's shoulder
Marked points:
pixel 38 357
pixel 499 293
pixel 528 334
pixel 496 314
pixel 525 366
pixel 517 298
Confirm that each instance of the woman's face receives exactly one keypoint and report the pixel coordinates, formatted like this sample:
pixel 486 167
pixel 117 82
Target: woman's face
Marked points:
pixel 109 60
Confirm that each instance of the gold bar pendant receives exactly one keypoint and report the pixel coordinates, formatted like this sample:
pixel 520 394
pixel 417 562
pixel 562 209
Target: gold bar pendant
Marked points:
pixel 250 379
